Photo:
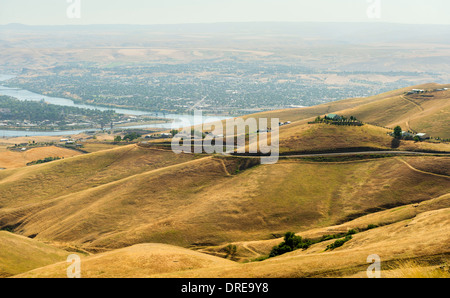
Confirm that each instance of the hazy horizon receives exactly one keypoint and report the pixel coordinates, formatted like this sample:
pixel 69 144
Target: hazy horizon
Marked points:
pixel 177 12
pixel 218 23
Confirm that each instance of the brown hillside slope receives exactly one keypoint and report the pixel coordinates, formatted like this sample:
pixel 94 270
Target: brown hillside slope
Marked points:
pixel 392 242
pixel 310 138
pixel 309 113
pixel 137 261
pixel 48 181
pixel 425 237
pixel 15 159
pixel 298 138
pixel 412 112
pixel 200 203
pixel 20 254
pixel 428 113
pixel 250 250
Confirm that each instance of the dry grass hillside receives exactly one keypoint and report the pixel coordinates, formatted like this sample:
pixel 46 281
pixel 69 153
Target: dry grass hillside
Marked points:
pixel 202 201
pixel 303 114
pixel 412 242
pixel 251 250
pixel 428 112
pixel 51 180
pixel 137 261
pixel 20 254
pixel 380 113
pixel 16 159
pixel 383 101
pixel 423 238
pixel 142 211
pixel 302 138
pixel 312 138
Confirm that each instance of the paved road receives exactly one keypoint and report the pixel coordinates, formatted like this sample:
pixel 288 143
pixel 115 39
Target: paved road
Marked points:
pixel 363 152
pixel 349 154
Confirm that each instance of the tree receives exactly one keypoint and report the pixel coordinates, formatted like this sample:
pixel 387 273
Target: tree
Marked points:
pixel 398 132
pixel 231 251
pixel 132 136
pixel 118 139
pixel 291 242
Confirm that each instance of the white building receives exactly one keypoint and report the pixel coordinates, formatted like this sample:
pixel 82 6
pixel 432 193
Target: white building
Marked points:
pixel 422 136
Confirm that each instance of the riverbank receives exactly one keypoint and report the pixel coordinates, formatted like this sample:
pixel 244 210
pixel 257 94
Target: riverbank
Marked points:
pixel 170 120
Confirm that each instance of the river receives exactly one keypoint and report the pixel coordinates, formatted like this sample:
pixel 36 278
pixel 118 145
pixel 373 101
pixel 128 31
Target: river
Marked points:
pixel 22 94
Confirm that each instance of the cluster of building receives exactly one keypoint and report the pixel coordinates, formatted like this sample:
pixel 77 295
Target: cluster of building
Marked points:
pixel 70 142
pixel 284 123
pixel 418 91
pixel 408 135
pixel 159 136
pixel 334 117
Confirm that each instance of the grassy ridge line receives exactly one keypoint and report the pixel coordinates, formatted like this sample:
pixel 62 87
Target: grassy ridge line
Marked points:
pixel 82 172
pixel 310 113
pixel 32 208
pixel 10 159
pixel 262 248
pixel 116 208
pixel 389 242
pixel 420 171
pixel 138 261
pixel 20 254
pixel 179 205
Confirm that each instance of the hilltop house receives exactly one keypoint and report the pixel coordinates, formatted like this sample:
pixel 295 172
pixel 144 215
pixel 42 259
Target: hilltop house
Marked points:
pixel 333 117
pixel 422 136
pixel 416 91
pixel 406 134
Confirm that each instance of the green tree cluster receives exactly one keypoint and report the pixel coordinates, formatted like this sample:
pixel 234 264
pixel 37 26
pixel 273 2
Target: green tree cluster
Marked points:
pixel 291 242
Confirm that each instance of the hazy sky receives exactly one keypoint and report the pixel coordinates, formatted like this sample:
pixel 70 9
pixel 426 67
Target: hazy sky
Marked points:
pixel 54 12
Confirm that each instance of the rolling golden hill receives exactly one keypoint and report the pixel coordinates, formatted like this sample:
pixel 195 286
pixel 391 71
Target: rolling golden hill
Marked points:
pixel 19 254
pixel 423 238
pixel 138 261
pixel 16 159
pixel 205 201
pixel 388 109
pixel 428 113
pixel 132 202
pixel 416 234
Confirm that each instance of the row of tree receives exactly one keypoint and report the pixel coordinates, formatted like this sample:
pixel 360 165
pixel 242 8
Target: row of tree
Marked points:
pixel 15 110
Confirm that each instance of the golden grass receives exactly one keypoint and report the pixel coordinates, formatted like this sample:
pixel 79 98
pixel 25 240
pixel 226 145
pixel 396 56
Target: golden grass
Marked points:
pixel 251 250
pixel 14 159
pixel 110 200
pixel 20 254
pixel 412 269
pixel 199 203
pixel 91 147
pixel 436 165
pixel 429 115
pixel 137 261
pixel 423 237
pixel 55 179
pixel 323 137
